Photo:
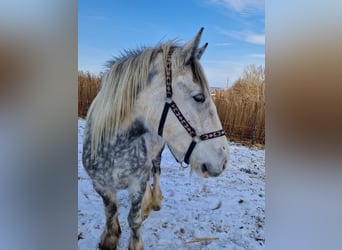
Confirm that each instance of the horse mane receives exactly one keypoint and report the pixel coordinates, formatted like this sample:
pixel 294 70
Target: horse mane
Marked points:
pixel 111 112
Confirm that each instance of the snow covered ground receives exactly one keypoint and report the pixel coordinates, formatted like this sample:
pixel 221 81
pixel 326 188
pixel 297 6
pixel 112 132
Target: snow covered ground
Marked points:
pixel 228 210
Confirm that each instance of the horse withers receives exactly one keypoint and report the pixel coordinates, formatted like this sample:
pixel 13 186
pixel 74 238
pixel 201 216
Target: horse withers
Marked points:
pixel 149 97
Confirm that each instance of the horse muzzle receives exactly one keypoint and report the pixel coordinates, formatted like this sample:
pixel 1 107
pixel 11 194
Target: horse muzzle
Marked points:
pixel 208 171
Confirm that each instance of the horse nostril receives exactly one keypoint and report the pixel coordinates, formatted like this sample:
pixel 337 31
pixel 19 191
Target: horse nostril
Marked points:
pixel 204 168
pixel 224 165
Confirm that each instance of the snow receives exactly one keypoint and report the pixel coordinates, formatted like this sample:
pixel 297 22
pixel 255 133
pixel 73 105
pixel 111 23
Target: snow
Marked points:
pixel 228 210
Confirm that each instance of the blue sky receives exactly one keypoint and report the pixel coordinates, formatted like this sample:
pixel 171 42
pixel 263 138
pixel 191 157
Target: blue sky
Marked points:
pixel 234 29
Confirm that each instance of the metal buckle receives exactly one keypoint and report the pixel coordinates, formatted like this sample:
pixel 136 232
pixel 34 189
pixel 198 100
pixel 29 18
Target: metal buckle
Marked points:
pixel 184 165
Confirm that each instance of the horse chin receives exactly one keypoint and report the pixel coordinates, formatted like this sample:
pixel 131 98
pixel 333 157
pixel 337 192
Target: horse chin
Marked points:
pixel 206 172
pixel 201 170
pixel 195 168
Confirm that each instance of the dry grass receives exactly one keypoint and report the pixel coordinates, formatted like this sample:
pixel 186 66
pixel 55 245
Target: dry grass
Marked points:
pixel 88 86
pixel 241 108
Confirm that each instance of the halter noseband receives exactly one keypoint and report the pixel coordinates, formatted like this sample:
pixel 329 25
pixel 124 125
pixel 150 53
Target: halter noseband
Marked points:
pixel 171 104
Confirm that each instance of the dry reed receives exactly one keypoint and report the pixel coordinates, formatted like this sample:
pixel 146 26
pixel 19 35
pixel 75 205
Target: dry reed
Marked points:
pixel 88 86
pixel 241 108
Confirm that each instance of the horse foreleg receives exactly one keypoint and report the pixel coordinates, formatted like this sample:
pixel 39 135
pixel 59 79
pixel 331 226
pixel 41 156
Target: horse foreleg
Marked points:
pixel 135 216
pixel 157 194
pixel 112 230
pixel 147 201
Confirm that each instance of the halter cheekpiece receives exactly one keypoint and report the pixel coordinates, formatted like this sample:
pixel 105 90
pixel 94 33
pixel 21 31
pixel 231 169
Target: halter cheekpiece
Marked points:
pixel 171 104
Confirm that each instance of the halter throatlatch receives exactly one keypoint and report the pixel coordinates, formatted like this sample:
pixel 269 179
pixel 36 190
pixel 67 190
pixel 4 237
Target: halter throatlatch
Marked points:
pixel 171 104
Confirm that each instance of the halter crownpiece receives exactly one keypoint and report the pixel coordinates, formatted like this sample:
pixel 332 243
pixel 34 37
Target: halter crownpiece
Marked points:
pixel 171 104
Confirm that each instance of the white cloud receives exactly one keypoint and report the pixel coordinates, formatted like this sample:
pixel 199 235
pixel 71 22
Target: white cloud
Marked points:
pixel 247 36
pixel 255 38
pixel 241 5
pixel 222 44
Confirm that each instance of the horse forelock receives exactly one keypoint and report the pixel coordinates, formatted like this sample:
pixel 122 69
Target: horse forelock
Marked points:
pixel 199 76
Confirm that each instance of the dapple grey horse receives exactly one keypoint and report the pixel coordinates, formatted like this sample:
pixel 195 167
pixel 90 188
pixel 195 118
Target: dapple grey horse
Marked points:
pixel 149 97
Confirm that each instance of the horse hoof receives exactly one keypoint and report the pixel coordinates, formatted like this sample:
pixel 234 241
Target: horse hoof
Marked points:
pixel 156 207
pixel 101 247
pixel 145 216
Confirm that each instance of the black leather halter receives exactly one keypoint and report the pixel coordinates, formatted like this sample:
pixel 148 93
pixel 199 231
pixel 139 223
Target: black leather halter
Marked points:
pixel 171 104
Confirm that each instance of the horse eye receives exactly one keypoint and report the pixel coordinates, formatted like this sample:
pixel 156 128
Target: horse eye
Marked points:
pixel 199 98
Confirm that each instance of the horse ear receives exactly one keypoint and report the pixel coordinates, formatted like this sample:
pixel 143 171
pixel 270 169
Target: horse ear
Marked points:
pixel 190 48
pixel 200 51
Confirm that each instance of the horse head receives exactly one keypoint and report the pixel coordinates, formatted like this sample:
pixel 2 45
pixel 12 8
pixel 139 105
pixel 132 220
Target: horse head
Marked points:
pixel 192 130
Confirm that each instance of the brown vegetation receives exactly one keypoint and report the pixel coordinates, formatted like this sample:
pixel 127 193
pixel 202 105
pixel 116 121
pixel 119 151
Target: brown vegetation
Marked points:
pixel 241 108
pixel 88 86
